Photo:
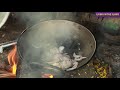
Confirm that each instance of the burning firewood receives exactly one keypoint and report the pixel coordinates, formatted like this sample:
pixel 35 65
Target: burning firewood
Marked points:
pixel 9 70
pixel 5 74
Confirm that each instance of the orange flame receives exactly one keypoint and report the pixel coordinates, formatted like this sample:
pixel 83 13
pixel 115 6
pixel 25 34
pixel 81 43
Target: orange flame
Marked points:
pixel 47 76
pixel 12 59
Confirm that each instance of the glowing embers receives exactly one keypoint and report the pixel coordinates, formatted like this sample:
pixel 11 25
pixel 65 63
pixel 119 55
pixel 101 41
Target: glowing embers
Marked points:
pixel 47 76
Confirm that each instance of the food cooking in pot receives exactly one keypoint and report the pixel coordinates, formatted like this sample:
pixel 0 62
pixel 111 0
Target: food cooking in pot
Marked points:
pixel 63 60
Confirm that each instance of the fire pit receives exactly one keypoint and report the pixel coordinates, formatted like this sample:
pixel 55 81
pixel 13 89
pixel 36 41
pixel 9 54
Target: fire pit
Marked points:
pixel 36 69
pixel 75 38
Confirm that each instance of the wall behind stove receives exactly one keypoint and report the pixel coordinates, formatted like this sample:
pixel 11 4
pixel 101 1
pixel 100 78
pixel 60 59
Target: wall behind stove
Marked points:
pixel 31 18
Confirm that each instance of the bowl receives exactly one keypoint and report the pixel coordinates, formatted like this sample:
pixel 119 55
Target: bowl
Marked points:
pixel 3 18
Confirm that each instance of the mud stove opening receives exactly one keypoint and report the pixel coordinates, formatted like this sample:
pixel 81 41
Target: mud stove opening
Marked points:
pixel 8 67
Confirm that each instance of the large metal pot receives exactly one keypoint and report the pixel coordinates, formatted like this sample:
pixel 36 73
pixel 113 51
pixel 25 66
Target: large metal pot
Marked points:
pixel 3 18
pixel 34 42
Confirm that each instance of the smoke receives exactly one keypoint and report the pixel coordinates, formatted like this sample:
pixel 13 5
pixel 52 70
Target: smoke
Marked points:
pixel 31 18
pixel 41 38
pixel 47 36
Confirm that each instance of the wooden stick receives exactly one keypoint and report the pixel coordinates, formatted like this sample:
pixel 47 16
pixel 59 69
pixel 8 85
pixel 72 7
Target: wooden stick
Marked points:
pixel 3 71
pixel 5 74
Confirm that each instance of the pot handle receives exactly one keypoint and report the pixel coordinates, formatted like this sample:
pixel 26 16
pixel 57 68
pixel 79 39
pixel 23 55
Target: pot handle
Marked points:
pixel 7 44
